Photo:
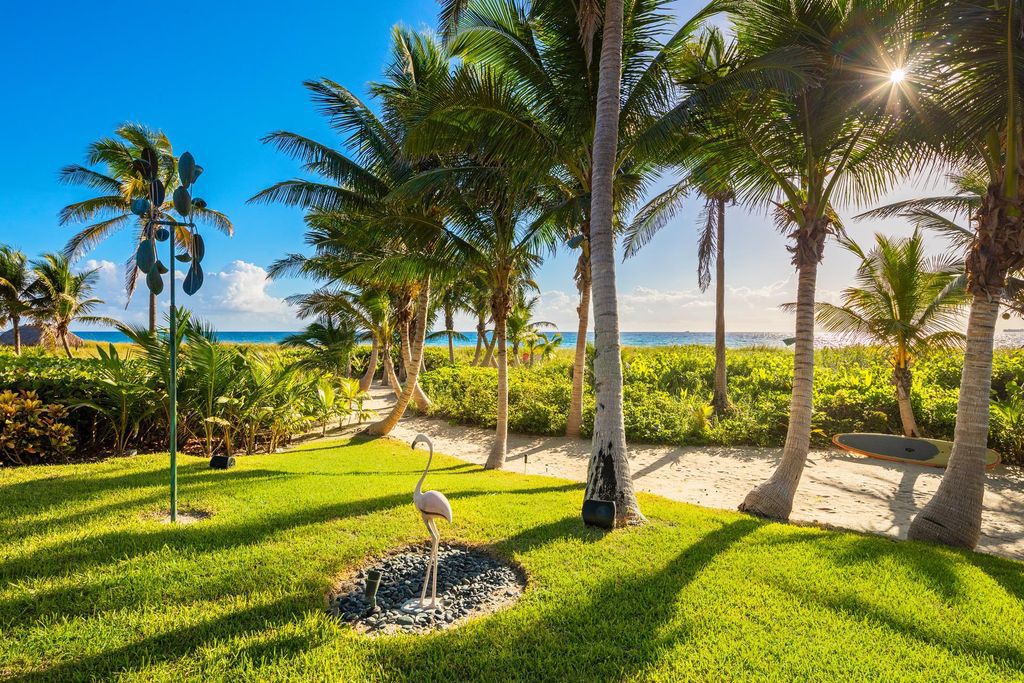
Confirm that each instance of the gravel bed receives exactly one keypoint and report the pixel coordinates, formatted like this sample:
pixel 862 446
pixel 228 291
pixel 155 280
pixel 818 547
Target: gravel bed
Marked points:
pixel 470 582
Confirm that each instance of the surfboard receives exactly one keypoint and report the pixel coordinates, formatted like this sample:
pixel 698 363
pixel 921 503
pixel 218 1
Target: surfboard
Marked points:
pixel 929 452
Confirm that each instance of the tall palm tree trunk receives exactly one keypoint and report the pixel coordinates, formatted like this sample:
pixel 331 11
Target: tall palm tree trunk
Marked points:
pixel 16 323
pixel 409 330
pixel 489 356
pixel 449 324
pixel 371 367
pixel 608 477
pixel 63 334
pixel 405 356
pixel 152 313
pixel 903 380
pixel 574 423
pixel 416 354
pixel 481 337
pixel 389 370
pixel 774 498
pixel 720 399
pixel 496 458
pixel 953 515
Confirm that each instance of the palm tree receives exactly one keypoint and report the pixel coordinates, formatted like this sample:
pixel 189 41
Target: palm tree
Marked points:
pixel 521 327
pixel 969 100
pixel 330 343
pixel 364 234
pixel 703 62
pixel 59 297
pixel 492 229
pixel 608 476
pixel 453 299
pixel 542 51
pixel 903 301
pixel 15 280
pixel 366 309
pixel 118 184
pixel 538 110
pixel 822 137
pixel 942 215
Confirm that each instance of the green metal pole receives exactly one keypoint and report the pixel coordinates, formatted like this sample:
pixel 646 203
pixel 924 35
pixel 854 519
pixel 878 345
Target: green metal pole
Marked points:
pixel 172 384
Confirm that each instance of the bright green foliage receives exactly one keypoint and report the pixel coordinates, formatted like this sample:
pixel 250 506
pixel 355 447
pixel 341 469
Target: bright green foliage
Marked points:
pixel 123 398
pixel 667 392
pixel 93 587
pixel 31 431
pixel 230 397
pixel 351 400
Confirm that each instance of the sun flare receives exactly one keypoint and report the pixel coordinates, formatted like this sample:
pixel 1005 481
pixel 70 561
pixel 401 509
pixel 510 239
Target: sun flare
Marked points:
pixel 897 75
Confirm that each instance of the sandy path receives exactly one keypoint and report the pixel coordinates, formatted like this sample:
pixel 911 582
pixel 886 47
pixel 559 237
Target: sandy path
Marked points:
pixel 837 489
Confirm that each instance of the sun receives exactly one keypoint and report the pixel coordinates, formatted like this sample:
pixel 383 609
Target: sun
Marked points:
pixel 897 75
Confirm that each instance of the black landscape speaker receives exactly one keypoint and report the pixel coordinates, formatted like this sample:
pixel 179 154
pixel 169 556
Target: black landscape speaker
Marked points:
pixel 222 462
pixel 600 513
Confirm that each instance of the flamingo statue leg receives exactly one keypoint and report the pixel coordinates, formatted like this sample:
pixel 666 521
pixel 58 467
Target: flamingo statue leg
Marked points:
pixel 430 564
pixel 433 561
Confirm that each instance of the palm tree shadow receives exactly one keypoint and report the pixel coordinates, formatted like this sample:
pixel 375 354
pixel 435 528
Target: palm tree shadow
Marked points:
pixel 625 615
pixel 173 644
pixel 1003 648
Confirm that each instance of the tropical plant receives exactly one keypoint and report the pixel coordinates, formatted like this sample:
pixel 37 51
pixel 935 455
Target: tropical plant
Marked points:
pixel 125 399
pixel 608 476
pixel 326 403
pixel 969 102
pixel 15 280
pixel 330 344
pixel 538 109
pixel 904 301
pixel 453 299
pixel 118 184
pixel 1010 414
pixel 353 399
pixel 942 214
pixel 209 384
pixel 59 297
pixel 522 329
pixel 32 431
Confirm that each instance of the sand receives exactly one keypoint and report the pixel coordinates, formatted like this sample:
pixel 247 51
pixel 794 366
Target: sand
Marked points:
pixel 837 489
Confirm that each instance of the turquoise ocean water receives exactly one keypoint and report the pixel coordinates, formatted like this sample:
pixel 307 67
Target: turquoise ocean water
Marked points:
pixel 735 340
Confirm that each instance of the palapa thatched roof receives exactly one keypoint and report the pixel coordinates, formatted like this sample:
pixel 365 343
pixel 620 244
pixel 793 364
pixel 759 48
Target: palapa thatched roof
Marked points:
pixel 36 335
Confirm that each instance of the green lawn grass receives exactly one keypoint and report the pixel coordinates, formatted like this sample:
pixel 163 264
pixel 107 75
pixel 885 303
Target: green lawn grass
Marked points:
pixel 93 587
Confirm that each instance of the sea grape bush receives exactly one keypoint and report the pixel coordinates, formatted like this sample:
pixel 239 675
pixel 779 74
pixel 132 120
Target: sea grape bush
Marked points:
pixel 667 392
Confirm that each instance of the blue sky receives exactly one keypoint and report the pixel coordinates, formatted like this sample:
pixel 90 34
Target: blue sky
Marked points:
pixel 74 71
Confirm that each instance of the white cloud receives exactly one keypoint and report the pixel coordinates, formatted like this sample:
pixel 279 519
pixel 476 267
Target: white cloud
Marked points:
pixel 239 297
pixel 244 290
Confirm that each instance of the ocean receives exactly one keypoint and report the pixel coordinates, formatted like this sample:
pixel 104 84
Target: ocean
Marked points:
pixel 733 340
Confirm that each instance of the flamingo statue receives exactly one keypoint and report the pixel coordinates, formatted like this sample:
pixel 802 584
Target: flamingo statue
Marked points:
pixel 432 505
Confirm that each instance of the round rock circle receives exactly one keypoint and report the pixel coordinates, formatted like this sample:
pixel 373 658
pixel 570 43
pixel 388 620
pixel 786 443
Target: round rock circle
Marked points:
pixel 471 582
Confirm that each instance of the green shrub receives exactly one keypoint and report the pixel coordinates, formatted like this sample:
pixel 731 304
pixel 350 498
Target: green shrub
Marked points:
pixel 666 391
pixel 31 431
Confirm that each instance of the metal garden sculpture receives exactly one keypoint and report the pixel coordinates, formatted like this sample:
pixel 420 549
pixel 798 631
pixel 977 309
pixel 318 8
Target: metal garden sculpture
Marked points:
pixel 432 506
pixel 160 227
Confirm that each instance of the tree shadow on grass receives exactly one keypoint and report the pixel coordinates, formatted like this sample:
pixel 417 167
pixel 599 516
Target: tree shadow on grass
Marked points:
pixel 935 633
pixel 37 496
pixel 174 644
pixel 83 554
pixel 21 524
pixel 609 633
pixel 932 566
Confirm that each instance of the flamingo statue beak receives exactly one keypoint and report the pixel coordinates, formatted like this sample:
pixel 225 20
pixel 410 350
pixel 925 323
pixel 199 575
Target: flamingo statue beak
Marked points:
pixel 422 438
